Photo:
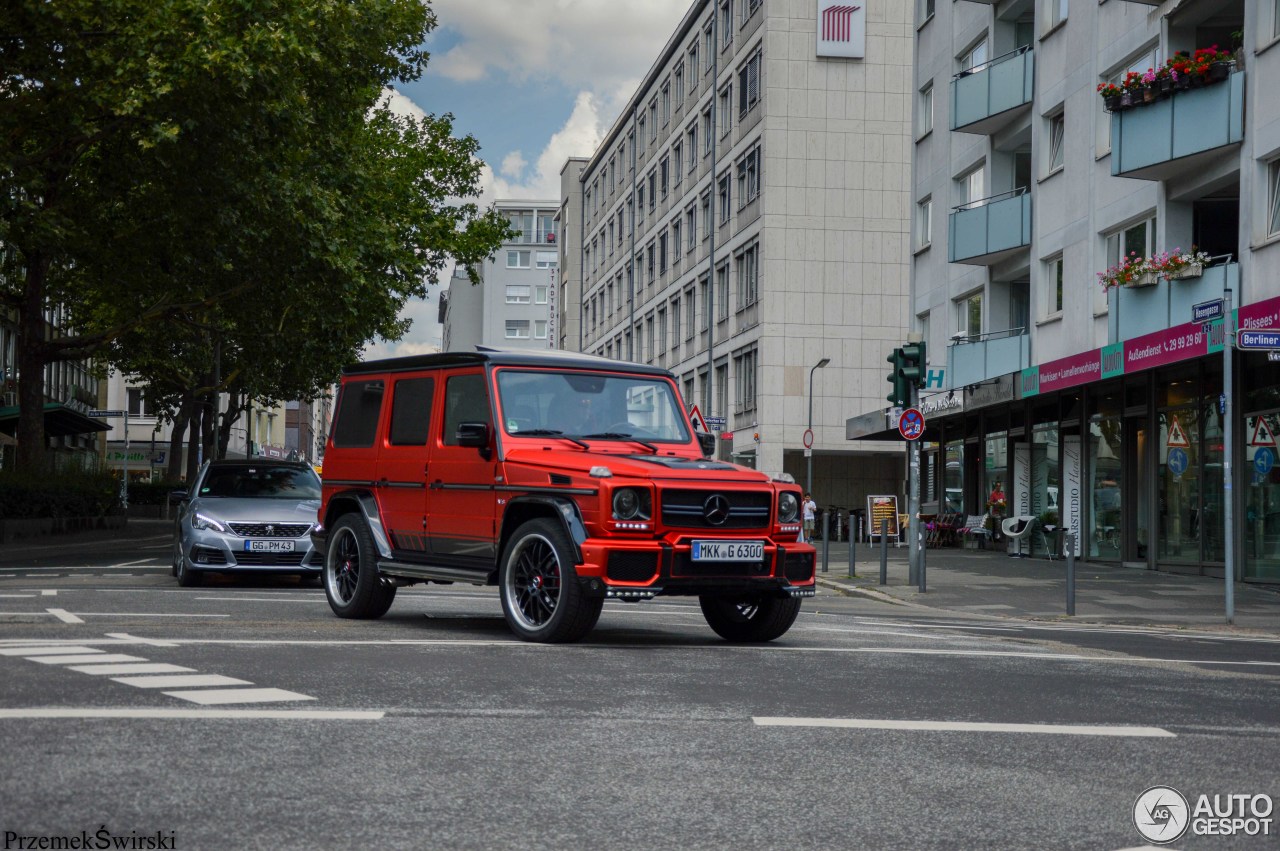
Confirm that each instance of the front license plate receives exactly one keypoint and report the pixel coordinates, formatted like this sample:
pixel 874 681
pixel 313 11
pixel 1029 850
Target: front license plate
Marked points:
pixel 728 550
pixel 268 546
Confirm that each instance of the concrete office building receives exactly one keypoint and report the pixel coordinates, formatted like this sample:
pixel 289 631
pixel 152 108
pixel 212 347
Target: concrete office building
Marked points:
pixel 1100 408
pixel 746 219
pixel 513 306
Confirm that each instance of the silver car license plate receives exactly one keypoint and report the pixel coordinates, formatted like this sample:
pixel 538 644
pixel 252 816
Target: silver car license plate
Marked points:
pixel 268 546
pixel 728 550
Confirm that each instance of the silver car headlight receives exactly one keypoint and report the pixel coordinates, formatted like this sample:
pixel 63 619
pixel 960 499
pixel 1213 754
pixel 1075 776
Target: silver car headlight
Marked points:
pixel 204 521
pixel 631 504
pixel 788 507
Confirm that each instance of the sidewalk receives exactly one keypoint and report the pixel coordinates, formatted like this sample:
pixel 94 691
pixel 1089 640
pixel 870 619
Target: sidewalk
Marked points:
pixel 990 583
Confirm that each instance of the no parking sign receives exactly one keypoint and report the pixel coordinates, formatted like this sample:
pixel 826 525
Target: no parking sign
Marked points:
pixel 911 425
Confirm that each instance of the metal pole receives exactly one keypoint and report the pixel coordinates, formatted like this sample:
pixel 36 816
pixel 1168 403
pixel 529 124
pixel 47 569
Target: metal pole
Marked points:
pixel 124 473
pixel 1228 448
pixel 922 561
pixel 826 539
pixel 808 479
pixel 913 502
pixel 853 549
pixel 1071 573
pixel 884 550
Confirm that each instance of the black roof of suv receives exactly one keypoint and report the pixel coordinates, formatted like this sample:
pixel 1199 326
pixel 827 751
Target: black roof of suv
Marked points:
pixel 501 357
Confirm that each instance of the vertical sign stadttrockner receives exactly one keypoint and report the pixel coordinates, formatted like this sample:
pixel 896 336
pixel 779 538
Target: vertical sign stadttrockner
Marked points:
pixel 842 29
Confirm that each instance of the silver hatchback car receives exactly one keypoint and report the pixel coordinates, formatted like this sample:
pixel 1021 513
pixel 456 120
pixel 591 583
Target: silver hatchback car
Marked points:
pixel 247 516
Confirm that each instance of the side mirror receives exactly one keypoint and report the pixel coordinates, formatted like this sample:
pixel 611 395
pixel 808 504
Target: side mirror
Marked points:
pixel 177 496
pixel 473 434
pixel 707 441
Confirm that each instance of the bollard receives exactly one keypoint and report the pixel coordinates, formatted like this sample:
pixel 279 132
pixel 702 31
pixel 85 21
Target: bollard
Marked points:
pixel 884 550
pixel 1071 573
pixel 853 552
pixel 922 551
pixel 826 539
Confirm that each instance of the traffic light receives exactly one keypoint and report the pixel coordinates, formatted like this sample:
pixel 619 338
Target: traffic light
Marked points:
pixel 912 367
pixel 900 396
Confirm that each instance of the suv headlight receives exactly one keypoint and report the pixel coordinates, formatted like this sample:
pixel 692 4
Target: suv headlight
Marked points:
pixel 204 521
pixel 631 504
pixel 788 507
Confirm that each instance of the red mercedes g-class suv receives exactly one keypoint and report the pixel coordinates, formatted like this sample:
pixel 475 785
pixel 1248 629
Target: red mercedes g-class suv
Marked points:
pixel 564 479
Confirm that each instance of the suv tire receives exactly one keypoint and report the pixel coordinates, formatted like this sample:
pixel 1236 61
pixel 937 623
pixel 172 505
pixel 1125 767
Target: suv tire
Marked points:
pixel 750 619
pixel 187 578
pixel 541 597
pixel 351 580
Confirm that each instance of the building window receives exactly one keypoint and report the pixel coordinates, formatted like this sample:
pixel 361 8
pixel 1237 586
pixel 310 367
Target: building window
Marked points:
pixel 706 131
pixel 690 300
pixel 676 244
pixel 726 23
pixel 693 147
pixel 693 67
pixel 522 222
pixel 976 56
pixel 924 223
pixel 540 295
pixel 518 259
pixel 722 195
pixel 971 316
pixel 653 119
pixel 691 228
pixel 708 48
pixel 662 253
pixel 653 190
pixel 704 296
pixel 749 84
pixel 926 110
pixel 749 177
pixel 723 106
pixel 1273 178
pixel 548 259
pixel 661 326
pixel 1135 240
pixel 675 323
pixel 744 366
pixel 641 127
pixel 666 104
pixel 1053 286
pixel 678 77
pixel 748 276
pixel 722 291
pixel 677 162
pixel 707 224
pixel 1149 58
pixel 640 202
pixel 650 256
pixel 517 329
pixel 1057 138
pixel 138 406
pixel 969 186
pixel 518 294
pixel 664 172
pixel 1055 12
pixel 926 10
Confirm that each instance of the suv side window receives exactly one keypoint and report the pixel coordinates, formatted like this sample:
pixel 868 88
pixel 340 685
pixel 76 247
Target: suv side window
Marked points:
pixel 357 422
pixel 411 411
pixel 466 400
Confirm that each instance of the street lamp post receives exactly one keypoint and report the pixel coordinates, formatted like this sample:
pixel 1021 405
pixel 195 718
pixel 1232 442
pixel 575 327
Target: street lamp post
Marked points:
pixel 808 482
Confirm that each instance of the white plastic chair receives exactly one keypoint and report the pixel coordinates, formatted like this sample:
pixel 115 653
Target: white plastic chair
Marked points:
pixel 1018 529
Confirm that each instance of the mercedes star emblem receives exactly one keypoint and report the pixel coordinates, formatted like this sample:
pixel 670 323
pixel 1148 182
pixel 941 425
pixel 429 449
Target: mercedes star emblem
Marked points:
pixel 716 509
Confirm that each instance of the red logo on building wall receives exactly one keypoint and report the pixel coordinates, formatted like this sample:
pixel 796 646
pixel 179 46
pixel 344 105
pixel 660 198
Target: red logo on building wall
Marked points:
pixel 835 22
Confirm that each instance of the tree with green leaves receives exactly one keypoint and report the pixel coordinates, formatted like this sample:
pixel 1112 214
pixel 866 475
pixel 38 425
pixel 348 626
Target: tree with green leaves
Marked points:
pixel 199 171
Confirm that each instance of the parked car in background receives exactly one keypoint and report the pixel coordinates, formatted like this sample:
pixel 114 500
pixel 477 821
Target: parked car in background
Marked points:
pixel 252 515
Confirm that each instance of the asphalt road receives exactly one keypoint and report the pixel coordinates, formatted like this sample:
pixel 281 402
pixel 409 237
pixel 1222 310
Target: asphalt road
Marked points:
pixel 866 726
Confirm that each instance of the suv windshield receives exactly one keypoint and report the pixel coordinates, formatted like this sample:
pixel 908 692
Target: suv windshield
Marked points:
pixel 260 482
pixel 590 404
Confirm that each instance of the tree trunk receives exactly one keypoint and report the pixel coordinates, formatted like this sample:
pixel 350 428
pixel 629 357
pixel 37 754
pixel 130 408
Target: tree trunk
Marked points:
pixel 174 467
pixel 209 426
pixel 193 441
pixel 226 421
pixel 32 355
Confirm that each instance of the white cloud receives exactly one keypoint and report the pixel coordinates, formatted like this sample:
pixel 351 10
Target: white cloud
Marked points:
pixel 401 105
pixel 513 165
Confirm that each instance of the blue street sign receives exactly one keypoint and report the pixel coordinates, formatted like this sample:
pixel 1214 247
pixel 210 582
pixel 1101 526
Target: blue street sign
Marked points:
pixel 1263 460
pixel 1177 462
pixel 1258 339
pixel 1206 311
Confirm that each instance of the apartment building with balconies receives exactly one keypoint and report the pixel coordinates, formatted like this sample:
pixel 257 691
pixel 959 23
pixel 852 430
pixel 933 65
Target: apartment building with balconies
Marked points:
pixel 1069 358
pixel 746 218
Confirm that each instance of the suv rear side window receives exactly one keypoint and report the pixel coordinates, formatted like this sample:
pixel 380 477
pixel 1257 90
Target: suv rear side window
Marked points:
pixel 411 411
pixel 465 401
pixel 357 423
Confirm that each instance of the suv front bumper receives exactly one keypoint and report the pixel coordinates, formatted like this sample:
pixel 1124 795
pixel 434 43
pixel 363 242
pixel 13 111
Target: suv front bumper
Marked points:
pixel 645 569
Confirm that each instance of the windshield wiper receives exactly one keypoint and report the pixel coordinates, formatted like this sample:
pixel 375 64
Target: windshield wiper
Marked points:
pixel 550 432
pixel 617 435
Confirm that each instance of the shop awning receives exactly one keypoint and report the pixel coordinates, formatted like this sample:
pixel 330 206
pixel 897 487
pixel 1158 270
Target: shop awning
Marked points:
pixel 59 421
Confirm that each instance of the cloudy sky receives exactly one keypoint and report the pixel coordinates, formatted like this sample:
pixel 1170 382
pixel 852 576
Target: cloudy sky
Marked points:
pixel 535 81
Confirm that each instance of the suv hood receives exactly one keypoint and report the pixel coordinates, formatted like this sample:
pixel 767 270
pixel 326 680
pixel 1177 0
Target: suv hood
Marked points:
pixel 643 466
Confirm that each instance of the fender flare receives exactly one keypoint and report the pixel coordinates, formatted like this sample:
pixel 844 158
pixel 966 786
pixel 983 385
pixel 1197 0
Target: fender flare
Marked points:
pixel 563 508
pixel 367 505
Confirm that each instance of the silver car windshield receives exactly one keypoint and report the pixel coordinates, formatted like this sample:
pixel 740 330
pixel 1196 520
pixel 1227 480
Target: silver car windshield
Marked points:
pixel 260 482
pixel 590 404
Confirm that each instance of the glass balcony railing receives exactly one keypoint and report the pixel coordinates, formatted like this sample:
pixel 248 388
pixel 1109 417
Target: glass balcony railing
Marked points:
pixel 971 360
pixel 1135 311
pixel 1175 136
pixel 989 97
pixel 984 232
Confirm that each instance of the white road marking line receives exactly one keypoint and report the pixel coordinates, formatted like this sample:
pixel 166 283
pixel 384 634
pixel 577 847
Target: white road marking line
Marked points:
pixel 49 593
pixel 45 650
pixel 967 727
pixel 132 668
pixel 17 595
pixel 64 616
pixel 87 658
pixel 181 681
pixel 129 563
pixel 259 714
pixel 147 615
pixel 211 697
pixel 133 639
pixel 265 600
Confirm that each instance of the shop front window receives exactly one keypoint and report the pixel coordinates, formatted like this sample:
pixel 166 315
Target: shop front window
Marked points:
pixel 996 469
pixel 953 477
pixel 1181 519
pixel 1046 484
pixel 1262 498
pixel 1105 475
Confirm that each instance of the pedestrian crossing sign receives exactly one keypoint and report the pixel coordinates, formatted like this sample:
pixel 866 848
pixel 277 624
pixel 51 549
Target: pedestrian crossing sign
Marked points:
pixel 1262 435
pixel 1177 437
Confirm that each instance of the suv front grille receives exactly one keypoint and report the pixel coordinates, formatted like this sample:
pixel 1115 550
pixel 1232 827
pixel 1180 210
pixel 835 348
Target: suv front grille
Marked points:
pixel 631 567
pixel 270 530
pixel 687 509
pixel 270 559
